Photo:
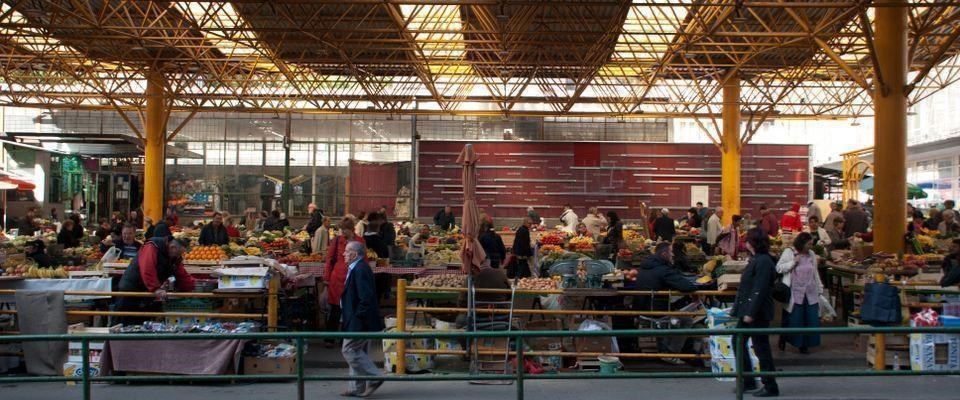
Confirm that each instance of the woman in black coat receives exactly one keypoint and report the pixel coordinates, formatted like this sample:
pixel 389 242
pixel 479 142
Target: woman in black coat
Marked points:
pixel 614 234
pixel 492 245
pixel 754 308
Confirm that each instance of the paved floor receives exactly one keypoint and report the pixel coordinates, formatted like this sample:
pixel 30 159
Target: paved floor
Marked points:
pixel 838 353
pixel 908 388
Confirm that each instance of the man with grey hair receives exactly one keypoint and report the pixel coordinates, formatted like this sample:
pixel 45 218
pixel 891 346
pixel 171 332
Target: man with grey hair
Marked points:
pixel 949 224
pixel 663 227
pixel 360 313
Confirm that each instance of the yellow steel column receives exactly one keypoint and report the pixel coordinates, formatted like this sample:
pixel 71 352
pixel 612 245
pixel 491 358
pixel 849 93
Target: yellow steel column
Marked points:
pixel 730 150
pixel 154 147
pixel 890 132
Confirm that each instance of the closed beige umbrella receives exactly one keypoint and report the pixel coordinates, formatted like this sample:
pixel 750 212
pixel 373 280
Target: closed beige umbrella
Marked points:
pixel 471 253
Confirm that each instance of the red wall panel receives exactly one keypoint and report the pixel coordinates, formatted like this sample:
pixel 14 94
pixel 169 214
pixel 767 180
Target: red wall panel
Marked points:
pixel 372 185
pixel 611 176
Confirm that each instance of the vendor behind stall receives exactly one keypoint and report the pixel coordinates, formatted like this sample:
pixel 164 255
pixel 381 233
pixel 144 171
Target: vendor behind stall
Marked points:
pixel 125 241
pixel 28 225
pixel 214 233
pixel 951 266
pixel 658 273
pixel 66 235
pixel 158 260
pixel 35 251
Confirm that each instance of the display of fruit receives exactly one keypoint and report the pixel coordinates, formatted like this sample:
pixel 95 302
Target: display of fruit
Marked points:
pixel 536 284
pixel 629 235
pixel 630 275
pixel 206 253
pixel 552 238
pixel 297 258
pixel 275 244
pixel 625 254
pixel 252 251
pixel 440 257
pixel 582 243
pixel 31 271
pixel 445 280
pixel 550 248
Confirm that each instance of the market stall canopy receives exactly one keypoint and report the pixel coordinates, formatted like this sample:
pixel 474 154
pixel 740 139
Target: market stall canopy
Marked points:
pixel 913 191
pixel 603 57
pixel 91 145
pixel 10 181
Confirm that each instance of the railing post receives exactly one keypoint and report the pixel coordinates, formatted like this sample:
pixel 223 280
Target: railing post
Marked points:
pixel 401 364
pixel 300 389
pixel 85 364
pixel 273 303
pixel 738 362
pixel 880 355
pixel 519 367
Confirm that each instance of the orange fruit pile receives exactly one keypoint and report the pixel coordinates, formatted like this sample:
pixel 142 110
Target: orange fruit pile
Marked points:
pixel 206 253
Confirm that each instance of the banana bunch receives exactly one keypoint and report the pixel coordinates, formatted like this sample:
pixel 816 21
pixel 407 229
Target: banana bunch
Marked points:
pixel 35 272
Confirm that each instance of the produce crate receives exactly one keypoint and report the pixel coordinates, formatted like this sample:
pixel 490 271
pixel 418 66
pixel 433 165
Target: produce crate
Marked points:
pixel 188 305
pixel 896 345
pixel 544 343
pixel 74 365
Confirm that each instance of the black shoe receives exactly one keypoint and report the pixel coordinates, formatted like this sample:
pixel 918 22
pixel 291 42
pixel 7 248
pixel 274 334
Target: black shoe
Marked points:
pixel 746 389
pixel 766 392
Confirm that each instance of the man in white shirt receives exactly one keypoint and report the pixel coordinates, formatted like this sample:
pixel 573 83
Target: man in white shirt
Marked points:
pixel 569 219
pixel 595 221
pixel 714 226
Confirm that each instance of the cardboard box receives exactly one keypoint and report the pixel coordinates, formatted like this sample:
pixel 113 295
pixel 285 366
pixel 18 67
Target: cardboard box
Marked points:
pixel 721 365
pixel 75 369
pixel 269 366
pixel 543 343
pixel 415 362
pixel 722 347
pixel 243 278
pixel 720 319
pixel 390 345
pixel 728 282
pixel 934 352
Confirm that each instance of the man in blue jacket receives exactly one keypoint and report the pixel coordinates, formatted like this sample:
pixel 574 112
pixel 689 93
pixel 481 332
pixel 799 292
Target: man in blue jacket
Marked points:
pixel 360 313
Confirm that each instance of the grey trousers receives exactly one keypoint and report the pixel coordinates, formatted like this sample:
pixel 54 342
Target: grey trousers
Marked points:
pixel 357 354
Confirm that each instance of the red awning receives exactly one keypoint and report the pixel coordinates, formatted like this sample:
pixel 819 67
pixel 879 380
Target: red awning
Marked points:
pixel 21 184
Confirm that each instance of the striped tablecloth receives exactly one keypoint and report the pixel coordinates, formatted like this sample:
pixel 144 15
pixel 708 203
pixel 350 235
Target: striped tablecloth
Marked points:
pixel 392 270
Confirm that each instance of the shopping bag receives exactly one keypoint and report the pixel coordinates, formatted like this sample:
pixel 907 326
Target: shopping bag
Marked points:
pixel 111 255
pixel 827 312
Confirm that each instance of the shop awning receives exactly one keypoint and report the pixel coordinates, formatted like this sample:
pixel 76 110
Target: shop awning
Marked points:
pixel 91 145
pixel 9 181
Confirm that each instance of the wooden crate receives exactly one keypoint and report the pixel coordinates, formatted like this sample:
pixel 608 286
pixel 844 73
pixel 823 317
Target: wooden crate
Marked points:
pixel 895 345
pixel 902 355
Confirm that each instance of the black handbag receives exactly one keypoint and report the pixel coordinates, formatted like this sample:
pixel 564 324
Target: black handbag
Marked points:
pixel 781 292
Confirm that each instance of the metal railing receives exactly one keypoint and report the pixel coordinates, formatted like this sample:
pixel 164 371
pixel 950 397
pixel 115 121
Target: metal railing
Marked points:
pixel 518 376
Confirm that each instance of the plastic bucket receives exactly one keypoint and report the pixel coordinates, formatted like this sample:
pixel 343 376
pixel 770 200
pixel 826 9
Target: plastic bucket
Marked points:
pixel 609 365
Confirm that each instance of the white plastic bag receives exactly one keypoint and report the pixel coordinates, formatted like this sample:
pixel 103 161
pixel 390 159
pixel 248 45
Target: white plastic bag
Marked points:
pixel 593 325
pixel 112 255
pixel 552 302
pixel 827 312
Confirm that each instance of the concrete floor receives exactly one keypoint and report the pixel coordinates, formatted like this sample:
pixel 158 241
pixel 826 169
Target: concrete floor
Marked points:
pixel 837 353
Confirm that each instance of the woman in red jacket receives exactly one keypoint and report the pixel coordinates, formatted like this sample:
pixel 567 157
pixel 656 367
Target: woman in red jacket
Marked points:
pixel 791 219
pixel 335 272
